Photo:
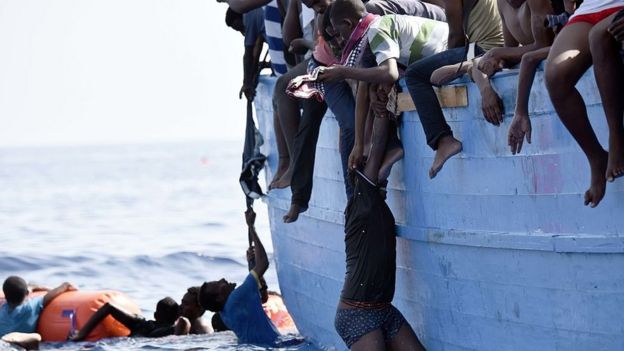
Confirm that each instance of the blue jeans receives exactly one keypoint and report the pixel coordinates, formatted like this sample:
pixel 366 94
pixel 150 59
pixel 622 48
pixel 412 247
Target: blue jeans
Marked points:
pixel 417 79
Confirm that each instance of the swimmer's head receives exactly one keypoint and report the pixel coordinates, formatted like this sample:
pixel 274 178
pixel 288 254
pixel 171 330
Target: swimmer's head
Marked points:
pixel 15 290
pixel 212 295
pixel 167 311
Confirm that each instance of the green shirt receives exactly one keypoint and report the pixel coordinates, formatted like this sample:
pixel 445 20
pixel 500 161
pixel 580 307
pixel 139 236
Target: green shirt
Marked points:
pixel 406 38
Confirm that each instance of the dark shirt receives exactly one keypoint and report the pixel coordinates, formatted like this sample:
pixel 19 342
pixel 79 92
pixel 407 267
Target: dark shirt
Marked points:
pixel 370 245
pixel 151 329
pixel 254 26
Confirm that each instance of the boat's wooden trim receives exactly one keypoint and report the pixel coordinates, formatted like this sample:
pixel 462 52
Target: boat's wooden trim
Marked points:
pixel 449 96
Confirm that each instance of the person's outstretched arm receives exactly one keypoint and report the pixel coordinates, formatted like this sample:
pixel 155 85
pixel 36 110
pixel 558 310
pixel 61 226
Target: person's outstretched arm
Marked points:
pixel 521 124
pixel 244 6
pixel 251 63
pixel 356 158
pixel 128 319
pixel 52 294
pixel 262 261
pixel 386 72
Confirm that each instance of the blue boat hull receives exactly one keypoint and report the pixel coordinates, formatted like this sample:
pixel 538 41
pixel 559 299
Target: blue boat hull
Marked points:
pixel 497 253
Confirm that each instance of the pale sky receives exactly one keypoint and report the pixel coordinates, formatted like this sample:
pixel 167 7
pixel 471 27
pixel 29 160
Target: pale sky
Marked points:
pixel 110 71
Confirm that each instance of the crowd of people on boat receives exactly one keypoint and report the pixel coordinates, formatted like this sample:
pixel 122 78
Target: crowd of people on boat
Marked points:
pixel 347 56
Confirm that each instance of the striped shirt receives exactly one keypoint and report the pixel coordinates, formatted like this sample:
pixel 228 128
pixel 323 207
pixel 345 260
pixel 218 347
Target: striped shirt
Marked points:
pixel 273 32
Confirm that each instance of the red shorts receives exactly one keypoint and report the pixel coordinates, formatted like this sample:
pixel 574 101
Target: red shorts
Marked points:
pixel 594 18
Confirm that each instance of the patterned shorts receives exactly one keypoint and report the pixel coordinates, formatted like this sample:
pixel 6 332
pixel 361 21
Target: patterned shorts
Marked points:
pixel 352 324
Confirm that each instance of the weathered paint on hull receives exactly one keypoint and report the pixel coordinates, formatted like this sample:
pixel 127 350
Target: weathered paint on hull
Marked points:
pixel 497 253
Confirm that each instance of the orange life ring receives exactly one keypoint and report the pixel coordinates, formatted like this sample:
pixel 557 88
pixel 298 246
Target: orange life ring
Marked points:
pixel 276 310
pixel 71 310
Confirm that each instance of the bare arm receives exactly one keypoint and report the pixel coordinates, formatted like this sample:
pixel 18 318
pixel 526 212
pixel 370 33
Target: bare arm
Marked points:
pixel 261 259
pixel 491 103
pixel 361 113
pixel 528 66
pixel 508 39
pixel 455 19
pixel 520 126
pixel 251 61
pixel 244 6
pixel 128 319
pixel 52 294
pixel 292 27
pixel 386 72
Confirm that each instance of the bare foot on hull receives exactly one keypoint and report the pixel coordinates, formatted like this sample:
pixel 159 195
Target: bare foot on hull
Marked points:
pixel 283 182
pixel 392 156
pixel 293 213
pixel 596 190
pixel 448 147
pixel 615 166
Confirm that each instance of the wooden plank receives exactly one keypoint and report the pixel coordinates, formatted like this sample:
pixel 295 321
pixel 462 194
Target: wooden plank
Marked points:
pixel 449 96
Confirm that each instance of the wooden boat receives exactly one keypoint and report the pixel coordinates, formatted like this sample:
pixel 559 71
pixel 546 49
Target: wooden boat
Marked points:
pixel 496 253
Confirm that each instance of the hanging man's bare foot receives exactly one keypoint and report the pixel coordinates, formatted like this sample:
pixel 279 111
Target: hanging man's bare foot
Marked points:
pixel 282 167
pixel 284 181
pixel 448 146
pixel 615 166
pixel 391 157
pixel 293 213
pixel 596 190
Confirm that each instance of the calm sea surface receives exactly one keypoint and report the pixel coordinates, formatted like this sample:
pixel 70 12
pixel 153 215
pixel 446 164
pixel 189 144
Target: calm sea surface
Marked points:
pixel 148 220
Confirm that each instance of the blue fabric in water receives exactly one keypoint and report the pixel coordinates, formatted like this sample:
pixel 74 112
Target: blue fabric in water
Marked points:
pixel 22 318
pixel 243 314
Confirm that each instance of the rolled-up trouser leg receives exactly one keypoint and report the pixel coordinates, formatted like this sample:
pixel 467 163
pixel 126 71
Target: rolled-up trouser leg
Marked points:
pixel 417 79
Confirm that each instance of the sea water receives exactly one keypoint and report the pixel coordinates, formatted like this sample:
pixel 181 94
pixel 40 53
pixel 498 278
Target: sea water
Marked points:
pixel 148 220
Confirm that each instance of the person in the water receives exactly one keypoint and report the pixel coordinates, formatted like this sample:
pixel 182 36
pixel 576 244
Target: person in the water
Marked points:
pixel 191 310
pixel 167 321
pixel 216 321
pixel 20 314
pixel 240 308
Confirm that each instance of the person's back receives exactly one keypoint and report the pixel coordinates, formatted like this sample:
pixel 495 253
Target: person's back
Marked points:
pixel 243 313
pixel 19 314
